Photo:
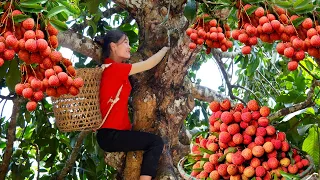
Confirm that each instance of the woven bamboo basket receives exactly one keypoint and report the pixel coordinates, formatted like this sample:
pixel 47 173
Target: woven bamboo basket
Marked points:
pixel 80 112
pixel 187 176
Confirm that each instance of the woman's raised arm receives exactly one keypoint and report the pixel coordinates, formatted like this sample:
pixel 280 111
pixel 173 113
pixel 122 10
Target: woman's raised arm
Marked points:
pixel 149 63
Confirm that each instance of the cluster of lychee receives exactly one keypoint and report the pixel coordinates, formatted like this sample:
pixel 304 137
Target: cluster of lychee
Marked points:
pixel 211 33
pixel 276 24
pixel 43 69
pixel 243 145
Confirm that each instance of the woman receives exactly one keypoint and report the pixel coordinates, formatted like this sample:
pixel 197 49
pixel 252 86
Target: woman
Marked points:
pixel 115 133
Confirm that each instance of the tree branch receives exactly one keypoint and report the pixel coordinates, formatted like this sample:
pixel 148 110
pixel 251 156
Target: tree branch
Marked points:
pixel 247 89
pixel 206 94
pixel 73 156
pixel 10 137
pixel 80 44
pixel 307 103
pixel 218 55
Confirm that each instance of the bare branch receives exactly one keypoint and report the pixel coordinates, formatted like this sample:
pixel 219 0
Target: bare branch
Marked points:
pixel 274 89
pixel 80 44
pixel 10 137
pixel 206 94
pixel 73 156
pixel 218 57
pixel 307 103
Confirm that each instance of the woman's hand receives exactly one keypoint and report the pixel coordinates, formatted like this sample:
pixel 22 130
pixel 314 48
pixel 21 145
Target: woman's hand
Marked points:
pixel 150 62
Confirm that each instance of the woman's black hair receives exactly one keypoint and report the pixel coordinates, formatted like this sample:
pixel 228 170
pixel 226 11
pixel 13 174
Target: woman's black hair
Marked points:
pixel 114 36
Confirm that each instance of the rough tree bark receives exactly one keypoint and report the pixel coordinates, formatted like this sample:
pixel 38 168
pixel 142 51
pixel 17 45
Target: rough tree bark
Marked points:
pixel 10 137
pixel 162 97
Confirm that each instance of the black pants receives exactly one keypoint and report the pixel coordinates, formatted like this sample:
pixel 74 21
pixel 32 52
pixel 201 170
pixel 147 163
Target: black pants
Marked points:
pixel 111 140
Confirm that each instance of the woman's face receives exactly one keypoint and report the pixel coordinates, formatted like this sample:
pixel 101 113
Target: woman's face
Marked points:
pixel 122 48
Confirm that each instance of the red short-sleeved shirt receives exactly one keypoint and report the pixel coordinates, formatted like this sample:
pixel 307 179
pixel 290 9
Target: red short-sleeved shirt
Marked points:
pixel 112 78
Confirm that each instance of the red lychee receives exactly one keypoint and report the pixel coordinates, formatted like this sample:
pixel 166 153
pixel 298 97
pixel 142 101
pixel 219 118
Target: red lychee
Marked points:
pixel 225 137
pixel 27 93
pixel 258 151
pixel 263 121
pixel 237 158
pixel 233 129
pixel 28 24
pixel 31 105
pixel 292 65
pixel 225 105
pixel 226 117
pixel 246 117
pixel 214 106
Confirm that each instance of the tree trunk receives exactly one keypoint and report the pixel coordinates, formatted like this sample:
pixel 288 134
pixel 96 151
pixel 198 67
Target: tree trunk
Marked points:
pixel 162 97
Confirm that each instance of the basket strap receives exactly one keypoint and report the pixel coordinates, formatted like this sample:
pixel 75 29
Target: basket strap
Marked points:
pixel 113 102
pixel 103 66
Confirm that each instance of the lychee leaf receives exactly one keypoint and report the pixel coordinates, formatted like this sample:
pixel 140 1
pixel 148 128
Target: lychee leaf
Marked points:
pixel 311 144
pixel 283 4
pixel 4 69
pixel 251 10
pixel 298 21
pixel 222 158
pixel 20 18
pixel 59 24
pixel 304 9
pixel 301 3
pixel 56 10
pixel 205 150
pixel 29 2
pixel 289 176
pixel 190 10
pixel 204 159
pixel 13 75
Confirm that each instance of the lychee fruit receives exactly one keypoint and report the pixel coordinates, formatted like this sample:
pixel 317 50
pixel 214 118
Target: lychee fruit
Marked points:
pixel 28 24
pixel 253 105
pixel 292 65
pixel 237 158
pixel 258 151
pixel 260 171
pixel 214 106
pixel 225 105
pixel 31 105
pixel 225 137
pixel 226 117
pixel 246 117
pixel 27 93
pixel 208 167
pixel 263 121
pixel 246 154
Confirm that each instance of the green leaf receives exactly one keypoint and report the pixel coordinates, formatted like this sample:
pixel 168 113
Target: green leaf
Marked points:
pixel 56 10
pixel 298 21
pixel 93 25
pixel 13 76
pixel 190 10
pixel 73 8
pixel 32 2
pixel 301 3
pixel 289 176
pixel 20 18
pixel 205 150
pixel 4 69
pixel 311 144
pixel 32 6
pixel 304 9
pixel 251 10
pixel 283 4
pixel 253 65
pixel 59 24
